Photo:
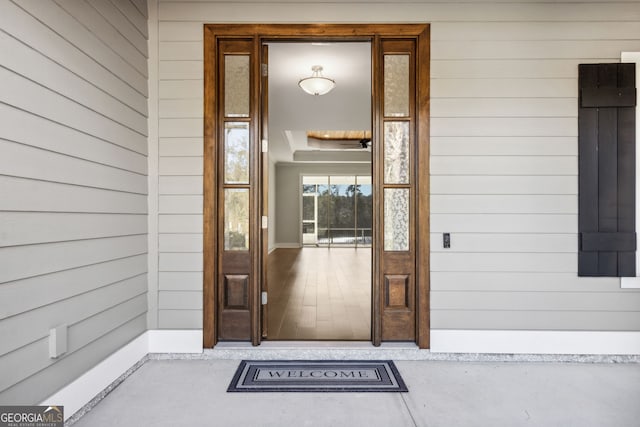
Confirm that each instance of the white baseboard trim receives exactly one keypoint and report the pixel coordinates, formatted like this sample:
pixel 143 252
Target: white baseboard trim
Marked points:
pixel 175 341
pixel 630 282
pixel 535 342
pixel 287 245
pixel 83 390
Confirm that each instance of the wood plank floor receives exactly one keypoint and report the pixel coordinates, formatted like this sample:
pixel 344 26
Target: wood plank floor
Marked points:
pixel 319 294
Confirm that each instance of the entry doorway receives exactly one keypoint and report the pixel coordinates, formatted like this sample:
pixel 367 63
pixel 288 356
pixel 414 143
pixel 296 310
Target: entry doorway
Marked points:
pixel 235 304
pixel 319 197
pixel 320 293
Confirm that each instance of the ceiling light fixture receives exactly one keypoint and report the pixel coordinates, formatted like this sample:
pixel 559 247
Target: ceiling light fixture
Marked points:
pixel 317 84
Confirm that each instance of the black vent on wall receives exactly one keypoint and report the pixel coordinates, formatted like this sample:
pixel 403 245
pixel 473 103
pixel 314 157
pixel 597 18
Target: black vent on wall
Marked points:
pixel 606 141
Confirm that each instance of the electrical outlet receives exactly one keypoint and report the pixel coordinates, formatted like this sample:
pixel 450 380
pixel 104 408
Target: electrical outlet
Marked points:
pixel 446 240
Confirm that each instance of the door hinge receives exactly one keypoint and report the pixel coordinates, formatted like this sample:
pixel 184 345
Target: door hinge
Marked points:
pixel 265 70
pixel 265 222
pixel 265 146
pixel 264 298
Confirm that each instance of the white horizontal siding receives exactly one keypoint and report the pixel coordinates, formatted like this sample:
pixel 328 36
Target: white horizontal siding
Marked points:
pixel 520 31
pixel 180 300
pixel 67 141
pixel 544 282
pixel 181 89
pixel 486 12
pixel 170 261
pixel 47 381
pixel 30 31
pixel 32 358
pixel 21 194
pixel 32 65
pixel 180 223
pixel 503 146
pixel 181 51
pixel 503 126
pixel 181 166
pixel 134 15
pixel 535 301
pixel 504 88
pixel 180 128
pixel 180 204
pixel 171 31
pixel 578 320
pixel 495 107
pixel 504 223
pixel 504 165
pixel 27 228
pixel 180 242
pixel 61 22
pixel 503 150
pixel 529 49
pixel 181 70
pixel 494 184
pixel 180 319
pixel 30 96
pixel 73 188
pixel 519 69
pixel 26 161
pixel 504 204
pixel 106 33
pixel 183 185
pixel 505 243
pixel 25 328
pixel 509 262
pixel 63 283
pixel 181 147
pixel 61 256
pixel 181 108
pixel 121 22
pixel 180 281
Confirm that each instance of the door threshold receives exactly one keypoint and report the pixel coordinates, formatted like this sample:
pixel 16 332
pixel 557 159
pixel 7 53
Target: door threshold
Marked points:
pixel 315 350
pixel 341 345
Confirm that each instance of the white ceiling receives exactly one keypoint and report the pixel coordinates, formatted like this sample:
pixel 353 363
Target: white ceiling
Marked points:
pixel 292 112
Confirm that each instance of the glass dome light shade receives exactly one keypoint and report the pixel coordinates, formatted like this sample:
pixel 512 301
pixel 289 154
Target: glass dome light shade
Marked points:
pixel 317 84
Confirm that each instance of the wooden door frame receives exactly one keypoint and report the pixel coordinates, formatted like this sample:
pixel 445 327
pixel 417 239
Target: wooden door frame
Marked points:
pixel 318 32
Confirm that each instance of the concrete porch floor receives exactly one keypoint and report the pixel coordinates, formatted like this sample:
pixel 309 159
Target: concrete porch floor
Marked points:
pixel 441 393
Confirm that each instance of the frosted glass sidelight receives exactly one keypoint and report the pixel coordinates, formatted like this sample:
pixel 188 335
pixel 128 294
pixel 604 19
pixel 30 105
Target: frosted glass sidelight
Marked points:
pixel 236 219
pixel 396 85
pixel 396 219
pixel 236 153
pixel 236 85
pixel 396 153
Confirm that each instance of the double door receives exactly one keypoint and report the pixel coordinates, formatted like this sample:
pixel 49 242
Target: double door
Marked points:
pixel 236 175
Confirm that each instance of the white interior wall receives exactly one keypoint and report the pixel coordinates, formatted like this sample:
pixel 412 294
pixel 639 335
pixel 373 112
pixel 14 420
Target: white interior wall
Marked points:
pixel 288 200
pixel 273 194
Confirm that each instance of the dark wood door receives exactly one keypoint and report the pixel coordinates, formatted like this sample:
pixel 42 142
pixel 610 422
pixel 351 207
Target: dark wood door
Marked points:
pixel 235 246
pixel 395 187
pixel 232 196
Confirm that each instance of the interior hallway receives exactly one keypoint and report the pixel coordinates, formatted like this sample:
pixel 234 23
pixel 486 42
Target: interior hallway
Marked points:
pixel 193 393
pixel 319 294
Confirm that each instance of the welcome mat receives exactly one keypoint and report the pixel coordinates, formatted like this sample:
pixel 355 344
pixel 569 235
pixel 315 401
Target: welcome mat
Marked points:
pixel 317 376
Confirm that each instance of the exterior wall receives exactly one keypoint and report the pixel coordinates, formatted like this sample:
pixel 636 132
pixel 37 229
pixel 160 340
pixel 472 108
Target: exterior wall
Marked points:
pixel 503 143
pixel 73 187
pixel 287 215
